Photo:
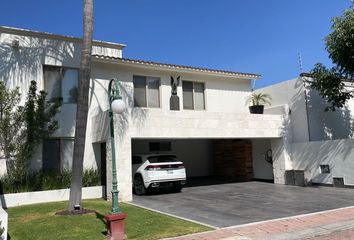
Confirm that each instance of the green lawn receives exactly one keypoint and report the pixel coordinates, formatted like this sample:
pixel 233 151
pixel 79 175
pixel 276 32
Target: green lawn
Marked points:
pixel 39 222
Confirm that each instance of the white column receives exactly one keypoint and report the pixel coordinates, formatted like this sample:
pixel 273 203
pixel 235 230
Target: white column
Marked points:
pixel 281 149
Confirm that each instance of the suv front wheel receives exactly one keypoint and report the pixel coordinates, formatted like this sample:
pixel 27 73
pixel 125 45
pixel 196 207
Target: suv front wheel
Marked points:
pixel 139 187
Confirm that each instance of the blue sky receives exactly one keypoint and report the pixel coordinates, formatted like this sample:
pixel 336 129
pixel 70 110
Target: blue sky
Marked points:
pixel 255 36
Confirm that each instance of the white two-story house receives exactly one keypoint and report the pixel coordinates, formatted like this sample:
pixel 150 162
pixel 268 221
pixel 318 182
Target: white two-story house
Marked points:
pixel 213 132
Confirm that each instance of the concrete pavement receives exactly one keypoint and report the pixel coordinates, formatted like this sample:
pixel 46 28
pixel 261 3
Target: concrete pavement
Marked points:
pixel 233 204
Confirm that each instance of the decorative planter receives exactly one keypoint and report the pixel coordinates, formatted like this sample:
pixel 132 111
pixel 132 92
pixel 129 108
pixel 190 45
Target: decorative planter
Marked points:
pixel 256 109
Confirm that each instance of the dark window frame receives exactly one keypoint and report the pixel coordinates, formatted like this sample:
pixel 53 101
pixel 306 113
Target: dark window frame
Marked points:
pixel 60 140
pixel 61 68
pixel 193 95
pixel 146 91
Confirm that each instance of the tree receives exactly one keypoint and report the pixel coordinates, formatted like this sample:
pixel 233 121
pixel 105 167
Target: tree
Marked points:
pixel 10 124
pixel 340 46
pixel 22 128
pixel 82 108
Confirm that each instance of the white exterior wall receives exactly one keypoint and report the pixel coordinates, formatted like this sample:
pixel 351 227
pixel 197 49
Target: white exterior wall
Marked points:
pixel 315 136
pixel 338 154
pixel 309 121
pixel 20 66
pixel 261 168
pixel 220 119
pixel 225 116
pixel 291 93
pixel 221 94
pixel 329 125
pixel 27 198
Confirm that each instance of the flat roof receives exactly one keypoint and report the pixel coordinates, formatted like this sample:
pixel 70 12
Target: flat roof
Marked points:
pixel 177 67
pixel 27 32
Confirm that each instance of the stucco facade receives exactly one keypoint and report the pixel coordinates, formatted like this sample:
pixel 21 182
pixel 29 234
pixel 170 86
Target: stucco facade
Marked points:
pixel 225 115
pixel 315 137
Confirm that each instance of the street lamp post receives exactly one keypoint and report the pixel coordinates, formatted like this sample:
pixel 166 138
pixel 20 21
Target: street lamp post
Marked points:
pixel 115 225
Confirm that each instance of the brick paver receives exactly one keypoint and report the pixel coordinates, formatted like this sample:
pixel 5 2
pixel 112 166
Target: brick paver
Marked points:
pixel 347 234
pixel 304 227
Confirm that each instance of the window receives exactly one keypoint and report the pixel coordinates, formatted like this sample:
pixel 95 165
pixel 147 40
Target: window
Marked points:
pixel 193 95
pixel 159 146
pixel 146 91
pixel 162 158
pixel 325 168
pixel 57 154
pixel 61 82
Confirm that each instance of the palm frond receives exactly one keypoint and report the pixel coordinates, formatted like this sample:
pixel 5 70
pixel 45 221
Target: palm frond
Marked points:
pixel 259 99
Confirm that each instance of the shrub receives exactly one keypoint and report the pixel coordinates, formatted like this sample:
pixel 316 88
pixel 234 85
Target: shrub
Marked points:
pixel 91 177
pixel 22 128
pixel 2 230
pixel 41 181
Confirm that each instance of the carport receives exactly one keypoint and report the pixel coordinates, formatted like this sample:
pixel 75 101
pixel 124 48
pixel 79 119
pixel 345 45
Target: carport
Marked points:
pixel 211 161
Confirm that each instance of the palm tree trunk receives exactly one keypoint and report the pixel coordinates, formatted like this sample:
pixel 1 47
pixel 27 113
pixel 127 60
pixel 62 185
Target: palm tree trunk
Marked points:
pixel 82 108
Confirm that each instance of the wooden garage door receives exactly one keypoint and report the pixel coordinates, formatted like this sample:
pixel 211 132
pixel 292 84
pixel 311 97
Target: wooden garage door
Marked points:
pixel 233 158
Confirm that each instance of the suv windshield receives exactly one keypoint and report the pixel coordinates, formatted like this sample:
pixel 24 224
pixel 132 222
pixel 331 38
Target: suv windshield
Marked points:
pixel 162 158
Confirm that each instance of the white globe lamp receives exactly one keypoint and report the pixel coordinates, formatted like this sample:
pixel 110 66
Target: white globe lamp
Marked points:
pixel 118 106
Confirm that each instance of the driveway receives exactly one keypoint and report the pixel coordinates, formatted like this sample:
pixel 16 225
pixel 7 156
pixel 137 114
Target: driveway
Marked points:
pixel 239 203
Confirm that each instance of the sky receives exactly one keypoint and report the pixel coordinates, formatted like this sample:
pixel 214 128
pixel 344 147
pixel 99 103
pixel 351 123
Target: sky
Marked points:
pixel 254 36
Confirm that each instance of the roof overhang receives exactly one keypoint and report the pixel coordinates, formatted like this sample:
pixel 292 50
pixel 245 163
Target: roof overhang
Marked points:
pixel 174 68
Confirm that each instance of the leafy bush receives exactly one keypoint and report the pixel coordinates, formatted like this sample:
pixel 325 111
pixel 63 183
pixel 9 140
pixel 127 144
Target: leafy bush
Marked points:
pixel 2 230
pixel 41 181
pixel 91 177
pixel 22 128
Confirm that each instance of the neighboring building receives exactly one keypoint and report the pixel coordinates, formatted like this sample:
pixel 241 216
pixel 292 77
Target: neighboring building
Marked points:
pixel 213 133
pixel 319 143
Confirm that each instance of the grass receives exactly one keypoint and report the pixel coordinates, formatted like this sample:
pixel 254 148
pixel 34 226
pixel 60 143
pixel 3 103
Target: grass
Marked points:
pixel 39 222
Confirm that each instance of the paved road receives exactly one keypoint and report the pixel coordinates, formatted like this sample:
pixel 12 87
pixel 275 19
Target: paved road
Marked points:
pixel 239 203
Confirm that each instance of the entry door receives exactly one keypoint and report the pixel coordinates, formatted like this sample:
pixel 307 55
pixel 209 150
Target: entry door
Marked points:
pixel 103 164
pixel 233 158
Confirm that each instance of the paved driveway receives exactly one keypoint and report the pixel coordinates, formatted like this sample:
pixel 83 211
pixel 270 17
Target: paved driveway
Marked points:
pixel 238 203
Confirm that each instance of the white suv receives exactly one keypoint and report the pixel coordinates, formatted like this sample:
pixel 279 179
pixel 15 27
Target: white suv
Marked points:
pixel 157 171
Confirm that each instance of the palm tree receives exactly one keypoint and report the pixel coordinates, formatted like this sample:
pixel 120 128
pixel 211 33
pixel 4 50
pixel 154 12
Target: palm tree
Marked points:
pixel 257 99
pixel 82 109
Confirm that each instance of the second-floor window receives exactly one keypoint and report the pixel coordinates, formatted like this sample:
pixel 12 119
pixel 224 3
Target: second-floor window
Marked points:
pixel 57 155
pixel 61 82
pixel 193 95
pixel 146 91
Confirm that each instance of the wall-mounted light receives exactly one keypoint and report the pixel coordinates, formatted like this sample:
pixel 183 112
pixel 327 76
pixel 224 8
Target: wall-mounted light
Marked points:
pixel 268 156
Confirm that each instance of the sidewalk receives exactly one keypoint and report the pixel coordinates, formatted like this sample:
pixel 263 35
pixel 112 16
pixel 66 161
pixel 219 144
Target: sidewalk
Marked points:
pixel 332 224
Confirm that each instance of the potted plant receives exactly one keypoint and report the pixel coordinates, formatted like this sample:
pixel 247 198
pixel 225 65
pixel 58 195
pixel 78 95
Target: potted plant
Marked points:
pixel 257 102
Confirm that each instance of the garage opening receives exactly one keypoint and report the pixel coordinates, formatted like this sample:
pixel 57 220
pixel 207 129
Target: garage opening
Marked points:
pixel 214 161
